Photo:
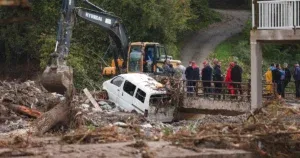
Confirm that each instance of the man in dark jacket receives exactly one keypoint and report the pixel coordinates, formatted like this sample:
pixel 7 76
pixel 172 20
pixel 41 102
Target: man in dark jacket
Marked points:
pixel 217 78
pixel 206 78
pixel 297 80
pixel 236 76
pixel 287 78
pixel 192 74
pixel 276 77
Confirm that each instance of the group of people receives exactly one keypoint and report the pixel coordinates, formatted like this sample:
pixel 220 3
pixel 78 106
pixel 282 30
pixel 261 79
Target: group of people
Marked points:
pixel 281 77
pixel 209 75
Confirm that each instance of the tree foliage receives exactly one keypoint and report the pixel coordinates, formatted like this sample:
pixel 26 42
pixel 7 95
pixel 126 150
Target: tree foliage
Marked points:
pixel 31 42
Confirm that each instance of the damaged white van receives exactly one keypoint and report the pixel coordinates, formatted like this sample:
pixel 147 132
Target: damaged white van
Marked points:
pixel 140 93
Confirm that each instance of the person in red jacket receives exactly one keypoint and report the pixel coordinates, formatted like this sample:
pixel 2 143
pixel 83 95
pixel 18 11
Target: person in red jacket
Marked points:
pixel 228 79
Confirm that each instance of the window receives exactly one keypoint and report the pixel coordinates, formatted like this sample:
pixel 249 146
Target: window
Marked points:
pixel 159 99
pixel 117 81
pixel 129 88
pixel 140 95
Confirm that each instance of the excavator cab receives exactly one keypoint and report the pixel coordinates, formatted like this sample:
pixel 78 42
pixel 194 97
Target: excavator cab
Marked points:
pixel 150 60
pixel 145 57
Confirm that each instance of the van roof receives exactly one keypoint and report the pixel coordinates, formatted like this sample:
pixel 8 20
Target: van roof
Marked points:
pixel 144 82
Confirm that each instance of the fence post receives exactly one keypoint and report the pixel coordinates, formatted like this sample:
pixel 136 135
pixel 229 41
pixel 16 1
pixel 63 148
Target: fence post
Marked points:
pixel 255 14
pixel 249 89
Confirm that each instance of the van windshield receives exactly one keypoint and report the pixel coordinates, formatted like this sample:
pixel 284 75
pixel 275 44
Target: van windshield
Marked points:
pixel 135 57
pixel 159 99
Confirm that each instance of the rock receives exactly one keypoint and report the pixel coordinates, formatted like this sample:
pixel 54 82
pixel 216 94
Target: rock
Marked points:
pixel 120 124
pixel 148 125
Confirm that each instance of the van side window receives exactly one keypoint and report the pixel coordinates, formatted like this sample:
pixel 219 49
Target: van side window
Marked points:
pixel 117 81
pixel 140 95
pixel 129 88
pixel 159 99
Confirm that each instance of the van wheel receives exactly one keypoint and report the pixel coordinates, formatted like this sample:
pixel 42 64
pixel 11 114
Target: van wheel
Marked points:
pixel 103 95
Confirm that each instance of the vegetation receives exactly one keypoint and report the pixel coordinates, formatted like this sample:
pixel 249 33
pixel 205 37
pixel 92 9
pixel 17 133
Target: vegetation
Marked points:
pixel 237 48
pixel 31 42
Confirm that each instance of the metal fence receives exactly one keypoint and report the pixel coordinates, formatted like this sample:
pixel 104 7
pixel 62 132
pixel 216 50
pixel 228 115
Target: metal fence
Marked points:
pixel 279 14
pixel 230 91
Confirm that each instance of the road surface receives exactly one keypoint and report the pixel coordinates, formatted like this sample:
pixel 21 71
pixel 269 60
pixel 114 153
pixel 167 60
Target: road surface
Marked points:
pixel 199 45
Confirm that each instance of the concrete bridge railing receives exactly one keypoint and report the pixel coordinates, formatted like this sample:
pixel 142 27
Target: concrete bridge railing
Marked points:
pixel 276 14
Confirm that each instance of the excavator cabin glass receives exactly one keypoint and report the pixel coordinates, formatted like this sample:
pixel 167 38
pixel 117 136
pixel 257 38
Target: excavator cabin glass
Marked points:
pixel 146 58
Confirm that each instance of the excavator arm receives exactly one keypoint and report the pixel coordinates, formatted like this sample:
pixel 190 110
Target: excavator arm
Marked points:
pixel 112 24
pixel 58 77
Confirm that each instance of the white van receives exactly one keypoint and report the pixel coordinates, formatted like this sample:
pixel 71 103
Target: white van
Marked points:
pixel 140 93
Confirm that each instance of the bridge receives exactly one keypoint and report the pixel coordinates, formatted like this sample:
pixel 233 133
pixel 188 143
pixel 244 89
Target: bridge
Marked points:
pixel 274 21
pixel 220 100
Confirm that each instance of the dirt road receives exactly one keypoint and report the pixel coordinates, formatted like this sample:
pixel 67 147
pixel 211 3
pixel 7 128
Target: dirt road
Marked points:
pixel 202 43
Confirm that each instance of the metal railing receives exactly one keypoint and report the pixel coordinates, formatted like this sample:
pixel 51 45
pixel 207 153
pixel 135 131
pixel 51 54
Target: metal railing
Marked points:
pixel 228 91
pixel 279 14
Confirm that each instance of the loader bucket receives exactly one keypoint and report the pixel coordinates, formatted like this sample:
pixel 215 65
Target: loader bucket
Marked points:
pixel 58 79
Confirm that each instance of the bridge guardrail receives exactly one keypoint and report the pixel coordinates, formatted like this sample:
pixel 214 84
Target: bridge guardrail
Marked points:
pixel 279 14
pixel 227 91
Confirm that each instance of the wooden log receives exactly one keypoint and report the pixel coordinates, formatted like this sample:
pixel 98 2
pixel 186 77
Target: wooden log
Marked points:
pixel 60 113
pixel 91 98
pixel 24 110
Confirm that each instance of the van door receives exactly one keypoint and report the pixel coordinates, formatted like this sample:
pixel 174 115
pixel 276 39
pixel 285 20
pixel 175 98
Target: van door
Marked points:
pixel 125 97
pixel 113 89
pixel 139 101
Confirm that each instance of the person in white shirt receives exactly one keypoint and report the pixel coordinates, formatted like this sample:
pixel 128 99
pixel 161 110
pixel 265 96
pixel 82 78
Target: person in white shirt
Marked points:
pixel 181 70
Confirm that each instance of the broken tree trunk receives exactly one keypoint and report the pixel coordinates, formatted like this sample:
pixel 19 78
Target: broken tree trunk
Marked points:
pixel 60 113
pixel 24 110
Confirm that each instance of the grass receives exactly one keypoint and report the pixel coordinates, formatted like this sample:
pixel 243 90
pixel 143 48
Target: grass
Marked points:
pixel 237 49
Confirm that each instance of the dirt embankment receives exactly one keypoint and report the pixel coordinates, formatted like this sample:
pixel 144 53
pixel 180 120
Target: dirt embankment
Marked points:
pixel 199 45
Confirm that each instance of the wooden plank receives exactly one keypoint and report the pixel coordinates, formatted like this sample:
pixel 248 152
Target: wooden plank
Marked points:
pixel 91 98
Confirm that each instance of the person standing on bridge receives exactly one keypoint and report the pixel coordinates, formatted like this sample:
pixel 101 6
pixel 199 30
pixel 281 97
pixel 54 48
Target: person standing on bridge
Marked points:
pixel 192 74
pixel 277 79
pixel 269 81
pixel 297 80
pixel 228 80
pixel 206 78
pixel 180 71
pixel 287 78
pixel 236 76
pixel 217 78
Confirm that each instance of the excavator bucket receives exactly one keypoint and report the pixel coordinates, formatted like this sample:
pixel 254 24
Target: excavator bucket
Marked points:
pixel 59 80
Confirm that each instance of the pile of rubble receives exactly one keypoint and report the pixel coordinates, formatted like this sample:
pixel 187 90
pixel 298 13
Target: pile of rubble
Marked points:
pixel 20 102
pixel 270 131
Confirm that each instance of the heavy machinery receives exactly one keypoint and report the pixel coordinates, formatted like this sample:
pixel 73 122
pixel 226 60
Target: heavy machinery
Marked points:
pixel 58 77
pixel 150 60
pixel 143 56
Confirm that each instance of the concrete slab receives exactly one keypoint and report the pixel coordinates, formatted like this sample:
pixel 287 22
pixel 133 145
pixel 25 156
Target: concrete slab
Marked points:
pixel 210 106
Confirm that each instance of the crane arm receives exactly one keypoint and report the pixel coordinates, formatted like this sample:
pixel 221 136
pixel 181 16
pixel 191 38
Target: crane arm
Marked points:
pixel 58 77
pixel 112 24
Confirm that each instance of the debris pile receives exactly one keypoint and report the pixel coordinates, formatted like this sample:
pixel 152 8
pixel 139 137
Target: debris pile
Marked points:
pixel 20 102
pixel 270 131
pixel 266 131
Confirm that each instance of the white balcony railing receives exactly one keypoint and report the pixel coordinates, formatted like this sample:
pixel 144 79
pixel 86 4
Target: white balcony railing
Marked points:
pixel 276 14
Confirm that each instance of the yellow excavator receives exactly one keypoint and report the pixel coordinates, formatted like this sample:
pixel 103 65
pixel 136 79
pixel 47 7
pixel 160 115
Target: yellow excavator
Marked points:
pixel 144 57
